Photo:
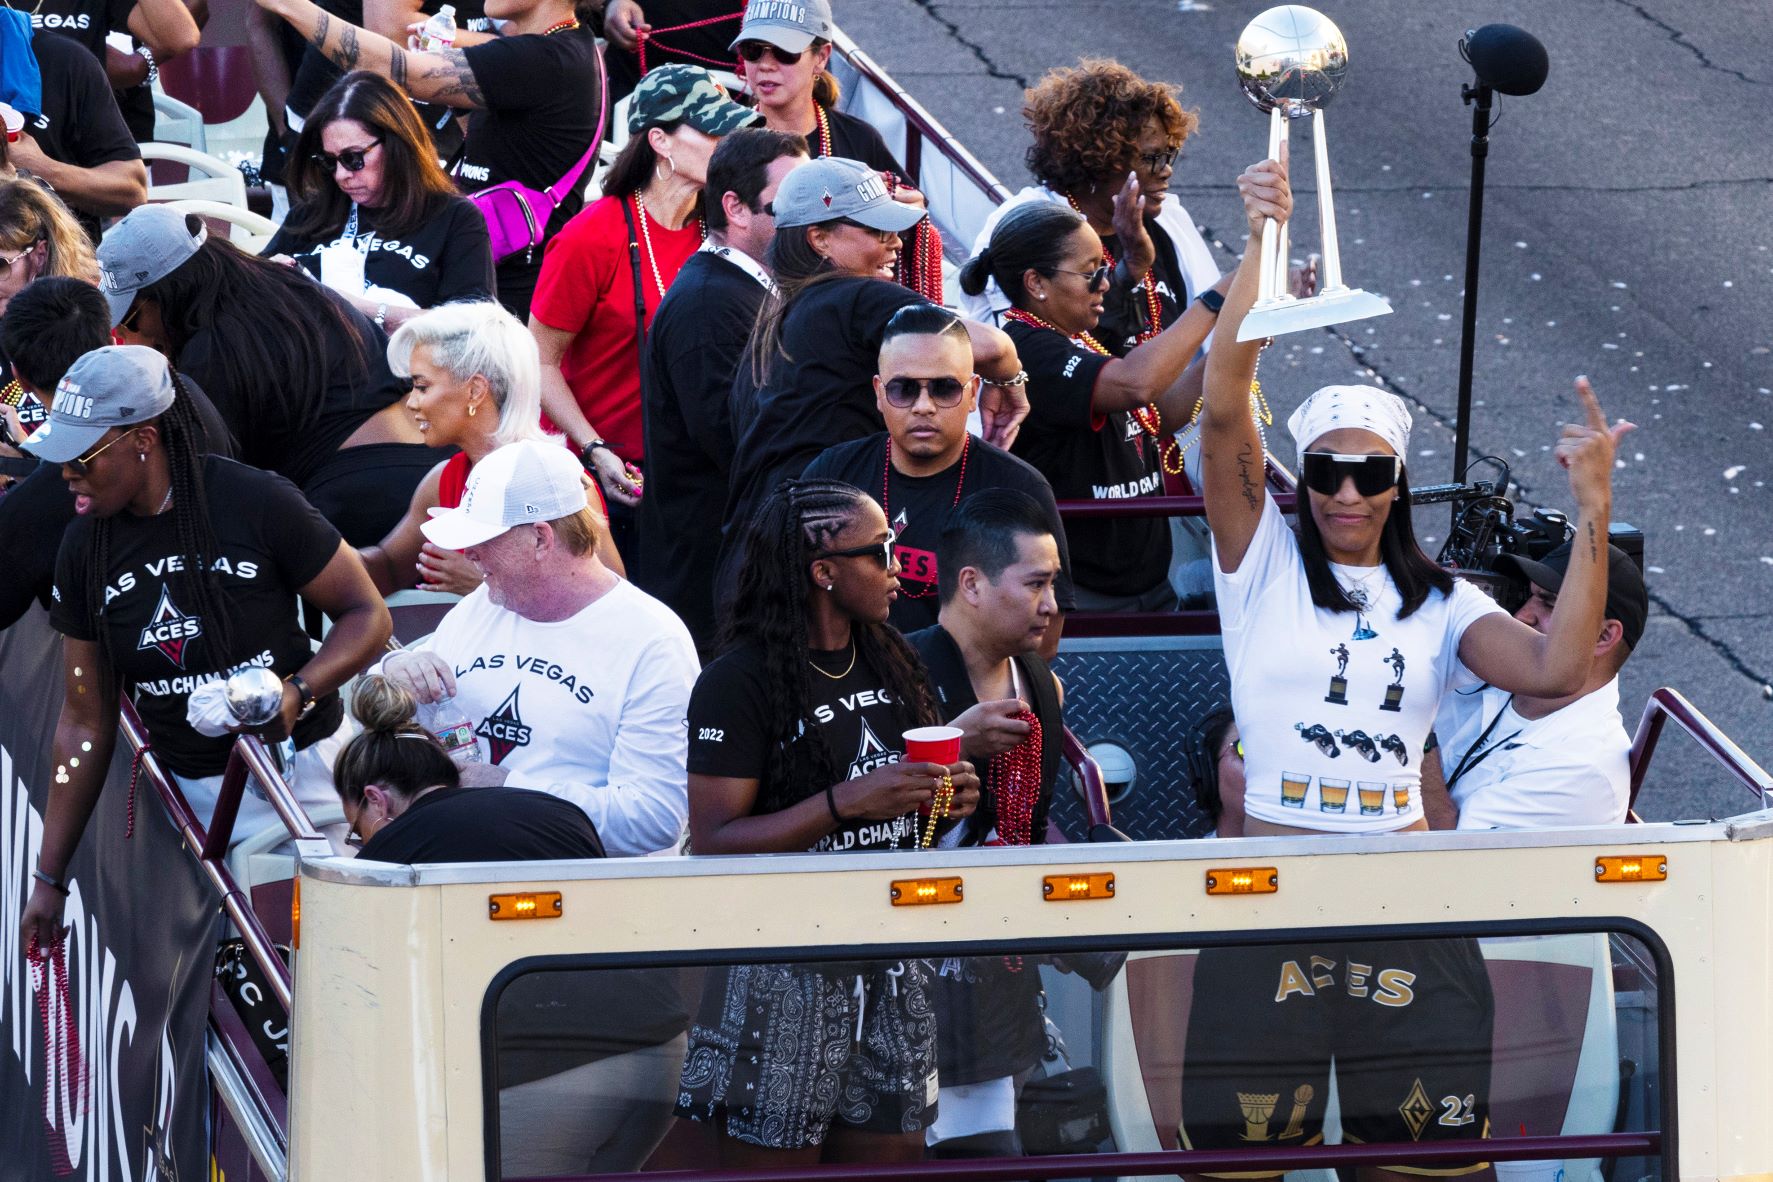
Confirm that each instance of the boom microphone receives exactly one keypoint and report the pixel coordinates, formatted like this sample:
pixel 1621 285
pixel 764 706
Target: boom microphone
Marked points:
pixel 1507 59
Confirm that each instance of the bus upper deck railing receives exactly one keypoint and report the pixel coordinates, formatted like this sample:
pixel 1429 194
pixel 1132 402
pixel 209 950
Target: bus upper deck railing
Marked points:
pixel 1665 705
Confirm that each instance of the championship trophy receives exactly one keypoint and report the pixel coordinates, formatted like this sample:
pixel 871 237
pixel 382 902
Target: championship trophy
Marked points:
pixel 254 695
pixel 1290 62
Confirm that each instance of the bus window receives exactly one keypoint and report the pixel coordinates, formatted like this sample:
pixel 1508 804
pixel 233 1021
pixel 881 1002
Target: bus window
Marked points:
pixel 1436 1042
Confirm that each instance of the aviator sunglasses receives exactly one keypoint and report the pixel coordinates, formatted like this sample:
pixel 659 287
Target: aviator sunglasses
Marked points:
pixel 753 51
pixel 352 158
pixel 1324 472
pixel 80 464
pixel 904 392
pixel 881 552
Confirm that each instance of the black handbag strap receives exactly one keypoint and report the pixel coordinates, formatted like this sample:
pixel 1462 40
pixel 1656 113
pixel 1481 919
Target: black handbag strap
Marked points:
pixel 639 292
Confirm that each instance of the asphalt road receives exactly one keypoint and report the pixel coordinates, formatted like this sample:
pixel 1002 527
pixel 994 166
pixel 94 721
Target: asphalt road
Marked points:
pixel 1628 236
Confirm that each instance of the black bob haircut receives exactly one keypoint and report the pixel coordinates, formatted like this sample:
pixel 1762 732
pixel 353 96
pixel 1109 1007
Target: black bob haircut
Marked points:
pixel 51 324
pixel 740 165
pixel 984 532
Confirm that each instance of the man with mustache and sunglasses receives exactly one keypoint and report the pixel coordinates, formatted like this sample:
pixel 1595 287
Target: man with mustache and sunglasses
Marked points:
pixel 925 464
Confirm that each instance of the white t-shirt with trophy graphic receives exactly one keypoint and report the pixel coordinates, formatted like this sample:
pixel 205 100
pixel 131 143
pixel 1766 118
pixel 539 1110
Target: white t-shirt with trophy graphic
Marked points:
pixel 1334 708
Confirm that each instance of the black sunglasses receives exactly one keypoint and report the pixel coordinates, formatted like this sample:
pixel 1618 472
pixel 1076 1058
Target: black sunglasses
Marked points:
pixel 1324 472
pixel 753 51
pixel 882 235
pixel 352 158
pixel 904 392
pixel 881 552
pixel 1097 278
pixel 1158 161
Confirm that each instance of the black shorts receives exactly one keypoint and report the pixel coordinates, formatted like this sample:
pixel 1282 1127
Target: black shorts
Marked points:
pixel 781 1052
pixel 1407 1023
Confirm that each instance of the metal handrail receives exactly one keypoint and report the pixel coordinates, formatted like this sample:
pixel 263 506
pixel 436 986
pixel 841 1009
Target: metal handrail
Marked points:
pixel 1152 1164
pixel 1666 704
pixel 1090 785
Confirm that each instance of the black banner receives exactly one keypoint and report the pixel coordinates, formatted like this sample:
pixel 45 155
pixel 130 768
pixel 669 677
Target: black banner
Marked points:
pixel 139 957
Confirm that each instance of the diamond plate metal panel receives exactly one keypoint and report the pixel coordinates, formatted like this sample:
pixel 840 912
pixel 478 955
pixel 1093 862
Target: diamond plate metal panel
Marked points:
pixel 1143 698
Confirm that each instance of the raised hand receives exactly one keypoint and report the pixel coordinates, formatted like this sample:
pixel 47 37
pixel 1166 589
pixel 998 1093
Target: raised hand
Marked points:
pixel 1586 450
pixel 1266 191
pixel 1129 227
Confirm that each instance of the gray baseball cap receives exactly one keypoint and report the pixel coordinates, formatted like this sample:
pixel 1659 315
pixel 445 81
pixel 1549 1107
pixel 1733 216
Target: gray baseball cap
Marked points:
pixel 116 386
pixel 830 188
pixel 149 244
pixel 791 24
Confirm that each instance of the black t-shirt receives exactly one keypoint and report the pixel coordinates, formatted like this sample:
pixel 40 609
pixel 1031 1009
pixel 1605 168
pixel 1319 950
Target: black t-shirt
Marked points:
pixel 446 257
pixel 696 344
pixel 485 825
pixel 698 45
pixel 541 115
pixel 1091 457
pixel 269 544
pixel 855 139
pixel 853 715
pixel 314 74
pixel 358 384
pixel 547 1022
pixel 918 507
pixel 822 395
pixel 1124 316
pixel 87 22
pixel 37 510
pixel 80 123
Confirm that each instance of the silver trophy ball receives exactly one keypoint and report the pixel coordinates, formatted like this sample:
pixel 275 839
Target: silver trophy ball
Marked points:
pixel 254 695
pixel 1291 57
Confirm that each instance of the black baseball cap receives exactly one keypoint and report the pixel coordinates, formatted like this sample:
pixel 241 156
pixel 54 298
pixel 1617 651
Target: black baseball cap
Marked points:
pixel 1627 599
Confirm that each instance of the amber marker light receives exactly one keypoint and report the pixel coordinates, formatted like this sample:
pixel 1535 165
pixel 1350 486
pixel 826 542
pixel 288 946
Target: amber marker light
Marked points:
pixel 916 892
pixel 295 916
pixel 530 905
pixel 1066 888
pixel 1632 868
pixel 1243 880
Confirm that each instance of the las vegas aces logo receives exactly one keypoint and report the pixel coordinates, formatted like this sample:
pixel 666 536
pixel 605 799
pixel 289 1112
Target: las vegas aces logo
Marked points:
pixel 170 630
pixel 503 729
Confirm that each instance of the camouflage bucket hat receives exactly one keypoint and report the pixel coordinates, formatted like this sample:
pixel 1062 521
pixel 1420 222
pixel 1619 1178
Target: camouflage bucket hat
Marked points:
pixel 685 94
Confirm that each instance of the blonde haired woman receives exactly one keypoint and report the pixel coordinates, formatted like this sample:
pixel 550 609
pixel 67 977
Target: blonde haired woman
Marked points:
pixel 476 383
pixel 38 236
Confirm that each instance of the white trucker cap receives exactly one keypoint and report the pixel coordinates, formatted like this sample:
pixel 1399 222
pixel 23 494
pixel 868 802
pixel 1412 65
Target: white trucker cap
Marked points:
pixel 519 484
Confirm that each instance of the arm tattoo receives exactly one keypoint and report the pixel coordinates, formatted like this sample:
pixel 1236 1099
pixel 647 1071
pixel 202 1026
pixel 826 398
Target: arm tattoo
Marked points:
pixel 397 67
pixel 1593 555
pixel 457 78
pixel 321 28
pixel 348 52
pixel 1252 495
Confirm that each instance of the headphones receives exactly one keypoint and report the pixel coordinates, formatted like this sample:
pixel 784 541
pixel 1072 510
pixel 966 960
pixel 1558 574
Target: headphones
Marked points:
pixel 1201 758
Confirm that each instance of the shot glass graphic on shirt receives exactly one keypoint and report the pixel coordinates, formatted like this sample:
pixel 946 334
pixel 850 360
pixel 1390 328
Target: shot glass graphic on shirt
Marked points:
pixel 1372 797
pixel 1293 788
pixel 1400 793
pixel 1332 795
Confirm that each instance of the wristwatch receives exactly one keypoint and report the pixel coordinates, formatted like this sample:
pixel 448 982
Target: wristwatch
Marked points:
pixel 304 694
pixel 147 55
pixel 1211 300
pixel 585 452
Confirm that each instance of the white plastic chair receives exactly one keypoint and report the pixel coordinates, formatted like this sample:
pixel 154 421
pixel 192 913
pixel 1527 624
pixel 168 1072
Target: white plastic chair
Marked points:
pixel 178 123
pixel 249 231
pixel 212 179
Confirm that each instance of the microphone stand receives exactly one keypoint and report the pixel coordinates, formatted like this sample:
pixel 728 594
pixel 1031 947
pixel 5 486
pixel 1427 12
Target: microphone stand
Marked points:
pixel 1480 95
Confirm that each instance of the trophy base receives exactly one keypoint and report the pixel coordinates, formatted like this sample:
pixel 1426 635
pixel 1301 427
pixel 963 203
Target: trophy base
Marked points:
pixel 1285 314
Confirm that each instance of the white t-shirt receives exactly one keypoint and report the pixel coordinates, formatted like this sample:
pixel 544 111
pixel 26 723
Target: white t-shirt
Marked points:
pixel 1572 767
pixel 1334 708
pixel 590 708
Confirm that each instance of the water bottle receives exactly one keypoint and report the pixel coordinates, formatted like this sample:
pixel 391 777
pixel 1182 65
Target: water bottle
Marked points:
pixel 452 728
pixel 440 31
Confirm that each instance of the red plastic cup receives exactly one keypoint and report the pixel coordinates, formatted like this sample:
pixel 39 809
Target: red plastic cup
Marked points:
pixel 933 744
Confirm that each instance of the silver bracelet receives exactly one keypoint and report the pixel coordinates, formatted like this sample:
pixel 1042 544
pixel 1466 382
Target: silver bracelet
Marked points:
pixel 153 66
pixel 54 884
pixel 382 316
pixel 1021 379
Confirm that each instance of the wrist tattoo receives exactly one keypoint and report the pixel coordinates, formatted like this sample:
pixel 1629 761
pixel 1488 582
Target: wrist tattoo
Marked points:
pixel 1593 552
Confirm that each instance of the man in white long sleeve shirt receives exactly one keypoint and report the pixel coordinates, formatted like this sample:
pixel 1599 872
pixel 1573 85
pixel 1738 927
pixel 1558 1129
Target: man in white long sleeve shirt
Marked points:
pixel 577 683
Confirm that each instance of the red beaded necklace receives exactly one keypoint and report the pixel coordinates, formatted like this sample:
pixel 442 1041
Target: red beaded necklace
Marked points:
pixel 1015 780
pixel 886 506
pixel 1152 307
pixel 823 122
pixel 565 24
pixel 1149 418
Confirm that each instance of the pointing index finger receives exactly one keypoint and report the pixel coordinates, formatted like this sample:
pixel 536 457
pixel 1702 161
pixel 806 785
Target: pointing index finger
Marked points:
pixel 1591 406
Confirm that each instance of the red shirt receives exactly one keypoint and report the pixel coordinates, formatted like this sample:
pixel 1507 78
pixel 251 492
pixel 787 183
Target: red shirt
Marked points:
pixel 587 288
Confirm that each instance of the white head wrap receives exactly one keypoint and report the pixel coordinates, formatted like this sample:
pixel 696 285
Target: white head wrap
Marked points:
pixel 1365 408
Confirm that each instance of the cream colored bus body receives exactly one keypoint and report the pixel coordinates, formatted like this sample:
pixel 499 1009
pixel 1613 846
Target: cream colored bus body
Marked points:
pixel 395 962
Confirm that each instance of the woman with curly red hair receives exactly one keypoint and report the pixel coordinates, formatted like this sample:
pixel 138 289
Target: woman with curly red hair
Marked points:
pixel 1106 142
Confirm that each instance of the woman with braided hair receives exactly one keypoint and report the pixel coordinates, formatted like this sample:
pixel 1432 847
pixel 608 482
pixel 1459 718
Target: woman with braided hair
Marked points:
pixel 179 569
pixel 796 733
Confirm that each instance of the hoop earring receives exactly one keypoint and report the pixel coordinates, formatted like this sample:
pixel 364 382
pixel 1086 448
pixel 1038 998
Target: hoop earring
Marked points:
pixel 668 176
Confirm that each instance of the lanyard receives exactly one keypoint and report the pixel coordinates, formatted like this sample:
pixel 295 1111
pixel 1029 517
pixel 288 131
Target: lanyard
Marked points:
pixel 1468 763
pixel 368 243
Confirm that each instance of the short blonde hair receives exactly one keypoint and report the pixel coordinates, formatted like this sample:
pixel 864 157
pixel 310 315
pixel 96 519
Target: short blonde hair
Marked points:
pixel 578 532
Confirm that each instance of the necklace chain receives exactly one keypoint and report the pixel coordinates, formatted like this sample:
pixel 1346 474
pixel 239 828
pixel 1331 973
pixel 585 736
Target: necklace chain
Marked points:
pixel 847 668
pixel 646 238
pixel 886 508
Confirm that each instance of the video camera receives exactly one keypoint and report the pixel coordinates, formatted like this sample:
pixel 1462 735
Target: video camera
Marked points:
pixel 1485 528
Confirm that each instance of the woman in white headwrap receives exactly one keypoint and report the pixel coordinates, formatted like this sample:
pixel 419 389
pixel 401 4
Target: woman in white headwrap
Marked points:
pixel 1340 641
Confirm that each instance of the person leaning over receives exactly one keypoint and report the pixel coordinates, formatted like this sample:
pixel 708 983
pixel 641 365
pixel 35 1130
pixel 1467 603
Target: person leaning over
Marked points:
pixel 1520 761
pixel 533 91
pixel 607 272
pixel 181 569
pixel 925 465
pixel 375 218
pixel 806 383
pixel 695 346
pixel 587 1061
pixel 47 328
pixel 576 682
pixel 474 378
